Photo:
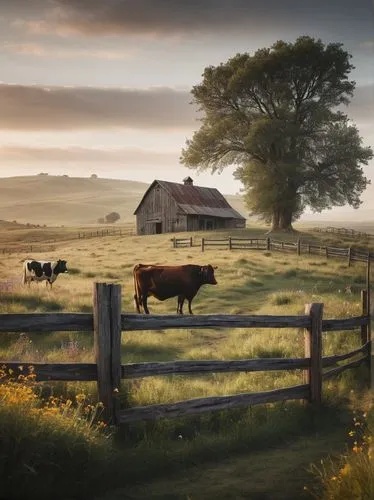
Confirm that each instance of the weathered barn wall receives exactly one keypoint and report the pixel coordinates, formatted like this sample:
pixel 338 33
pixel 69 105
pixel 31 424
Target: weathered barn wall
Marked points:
pixel 158 213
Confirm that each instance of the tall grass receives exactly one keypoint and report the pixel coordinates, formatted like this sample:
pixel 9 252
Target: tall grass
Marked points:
pixel 351 475
pixel 49 448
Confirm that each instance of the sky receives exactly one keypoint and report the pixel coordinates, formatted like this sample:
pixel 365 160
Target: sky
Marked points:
pixel 94 86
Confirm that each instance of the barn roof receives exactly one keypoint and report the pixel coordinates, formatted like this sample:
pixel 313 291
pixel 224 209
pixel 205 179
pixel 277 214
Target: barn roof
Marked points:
pixel 196 200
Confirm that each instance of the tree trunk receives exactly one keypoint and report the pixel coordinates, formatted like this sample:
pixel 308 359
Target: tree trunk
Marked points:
pixel 275 220
pixel 285 220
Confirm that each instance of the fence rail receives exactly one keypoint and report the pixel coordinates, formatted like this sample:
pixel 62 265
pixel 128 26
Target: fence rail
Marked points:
pixel 50 245
pixel 107 323
pixel 299 247
pixel 341 230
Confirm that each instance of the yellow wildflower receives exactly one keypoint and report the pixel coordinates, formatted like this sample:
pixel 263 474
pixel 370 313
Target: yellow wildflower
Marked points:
pixel 345 470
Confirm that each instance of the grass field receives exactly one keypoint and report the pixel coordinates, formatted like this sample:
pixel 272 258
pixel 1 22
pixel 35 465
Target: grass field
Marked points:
pixel 250 453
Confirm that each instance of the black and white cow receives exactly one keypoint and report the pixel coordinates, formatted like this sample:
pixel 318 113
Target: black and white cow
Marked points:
pixel 39 270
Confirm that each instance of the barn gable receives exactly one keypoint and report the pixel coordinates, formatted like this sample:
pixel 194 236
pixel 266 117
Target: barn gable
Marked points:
pixel 172 207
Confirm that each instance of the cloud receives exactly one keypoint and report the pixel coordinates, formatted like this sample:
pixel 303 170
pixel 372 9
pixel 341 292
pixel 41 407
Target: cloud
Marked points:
pixel 86 108
pixel 37 50
pixel 368 44
pixel 67 108
pixel 165 18
pixel 20 155
pixel 361 109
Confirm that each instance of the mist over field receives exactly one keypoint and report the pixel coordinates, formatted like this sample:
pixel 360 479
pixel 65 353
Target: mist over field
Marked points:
pixel 65 200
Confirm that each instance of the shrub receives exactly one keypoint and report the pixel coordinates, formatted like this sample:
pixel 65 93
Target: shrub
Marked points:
pixel 352 475
pixel 280 299
pixel 112 217
pixel 48 449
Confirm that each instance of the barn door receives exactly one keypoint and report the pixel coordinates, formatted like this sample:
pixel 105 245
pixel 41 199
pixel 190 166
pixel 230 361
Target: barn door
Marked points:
pixel 158 227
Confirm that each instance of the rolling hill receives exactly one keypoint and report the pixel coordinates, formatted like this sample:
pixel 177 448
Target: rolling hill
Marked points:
pixel 62 200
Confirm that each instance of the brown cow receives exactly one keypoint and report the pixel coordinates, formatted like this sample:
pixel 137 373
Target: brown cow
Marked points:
pixel 164 282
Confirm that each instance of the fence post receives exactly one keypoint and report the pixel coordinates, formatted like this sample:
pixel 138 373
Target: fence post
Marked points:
pixel 313 350
pixel 230 244
pixel 365 332
pixel 174 243
pixel 368 305
pixel 349 256
pixel 268 243
pixel 364 309
pixel 298 246
pixel 202 244
pixel 191 241
pixel 107 345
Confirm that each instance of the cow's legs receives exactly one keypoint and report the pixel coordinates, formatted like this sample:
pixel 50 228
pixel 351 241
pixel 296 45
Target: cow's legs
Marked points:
pixel 189 306
pixel 145 306
pixel 190 299
pixel 180 304
pixel 137 303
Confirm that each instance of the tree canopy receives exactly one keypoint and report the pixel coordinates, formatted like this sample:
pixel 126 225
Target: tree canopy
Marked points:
pixel 112 217
pixel 277 116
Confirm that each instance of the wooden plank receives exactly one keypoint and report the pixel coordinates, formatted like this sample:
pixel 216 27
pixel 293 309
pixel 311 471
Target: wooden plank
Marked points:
pixel 54 371
pixel 162 322
pixel 184 367
pixel 341 369
pixel 243 247
pixel 313 350
pixel 331 325
pixel 116 331
pixel 102 345
pixel 332 360
pixel 107 303
pixel 46 322
pixel 202 405
pixel 364 306
pixel 249 239
pixel 368 309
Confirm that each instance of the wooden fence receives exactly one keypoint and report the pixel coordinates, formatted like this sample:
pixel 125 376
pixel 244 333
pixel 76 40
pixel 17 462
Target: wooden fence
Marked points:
pixel 342 231
pixel 107 323
pixel 298 247
pixel 50 245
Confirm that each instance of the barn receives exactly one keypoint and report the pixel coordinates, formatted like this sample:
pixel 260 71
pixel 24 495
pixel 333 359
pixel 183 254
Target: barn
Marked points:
pixel 170 207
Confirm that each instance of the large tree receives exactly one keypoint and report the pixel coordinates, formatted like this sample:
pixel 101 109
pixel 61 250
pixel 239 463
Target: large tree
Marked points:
pixel 277 116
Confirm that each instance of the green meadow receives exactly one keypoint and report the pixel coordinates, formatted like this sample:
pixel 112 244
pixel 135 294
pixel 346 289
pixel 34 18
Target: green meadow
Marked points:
pixel 257 452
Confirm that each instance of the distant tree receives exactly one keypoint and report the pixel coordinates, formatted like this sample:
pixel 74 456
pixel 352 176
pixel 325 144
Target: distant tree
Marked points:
pixel 275 115
pixel 112 217
pixel 93 176
pixel 43 173
pixel 65 175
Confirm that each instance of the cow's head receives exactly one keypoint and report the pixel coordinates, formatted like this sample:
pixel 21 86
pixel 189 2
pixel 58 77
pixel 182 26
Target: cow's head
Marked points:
pixel 61 267
pixel 207 273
